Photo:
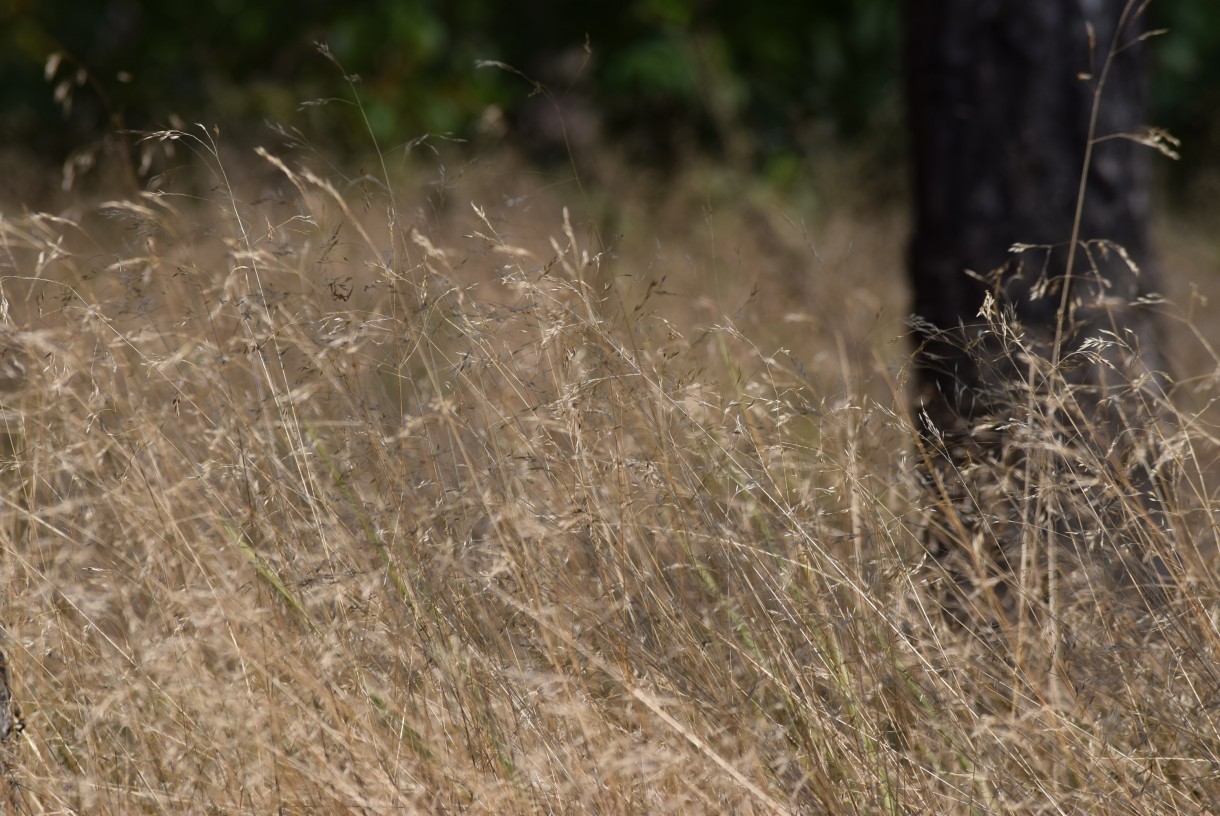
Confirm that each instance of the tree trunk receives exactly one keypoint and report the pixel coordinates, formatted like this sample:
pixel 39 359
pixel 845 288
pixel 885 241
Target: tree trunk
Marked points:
pixel 1000 94
pixel 1035 415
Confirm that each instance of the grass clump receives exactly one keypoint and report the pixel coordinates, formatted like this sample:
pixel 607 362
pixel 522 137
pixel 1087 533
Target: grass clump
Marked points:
pixel 320 500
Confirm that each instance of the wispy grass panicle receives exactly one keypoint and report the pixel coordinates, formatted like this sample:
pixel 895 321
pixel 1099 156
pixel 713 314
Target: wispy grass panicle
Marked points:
pixel 506 520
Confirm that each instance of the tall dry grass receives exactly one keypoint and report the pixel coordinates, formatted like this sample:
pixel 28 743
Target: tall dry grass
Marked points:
pixel 327 496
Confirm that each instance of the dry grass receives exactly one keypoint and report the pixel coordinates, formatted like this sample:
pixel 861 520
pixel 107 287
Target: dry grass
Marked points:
pixel 322 500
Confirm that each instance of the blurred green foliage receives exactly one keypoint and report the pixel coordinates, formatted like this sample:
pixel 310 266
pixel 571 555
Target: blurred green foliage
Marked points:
pixel 664 76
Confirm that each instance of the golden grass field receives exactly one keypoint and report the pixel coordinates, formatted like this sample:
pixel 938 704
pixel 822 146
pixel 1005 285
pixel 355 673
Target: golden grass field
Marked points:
pixel 480 490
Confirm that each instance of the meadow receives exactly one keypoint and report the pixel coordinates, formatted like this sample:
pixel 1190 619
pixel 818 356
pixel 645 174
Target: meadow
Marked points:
pixel 457 486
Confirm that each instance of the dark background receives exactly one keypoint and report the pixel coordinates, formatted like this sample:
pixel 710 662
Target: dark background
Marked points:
pixel 662 80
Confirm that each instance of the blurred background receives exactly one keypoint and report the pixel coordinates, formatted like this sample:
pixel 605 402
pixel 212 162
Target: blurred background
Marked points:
pixel 753 159
pixel 761 89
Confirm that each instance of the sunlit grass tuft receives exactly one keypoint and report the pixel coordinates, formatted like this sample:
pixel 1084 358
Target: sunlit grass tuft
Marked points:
pixel 322 502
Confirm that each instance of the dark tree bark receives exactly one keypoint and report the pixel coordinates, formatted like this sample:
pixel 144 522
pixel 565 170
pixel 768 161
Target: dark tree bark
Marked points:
pixel 1035 418
pixel 1000 94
